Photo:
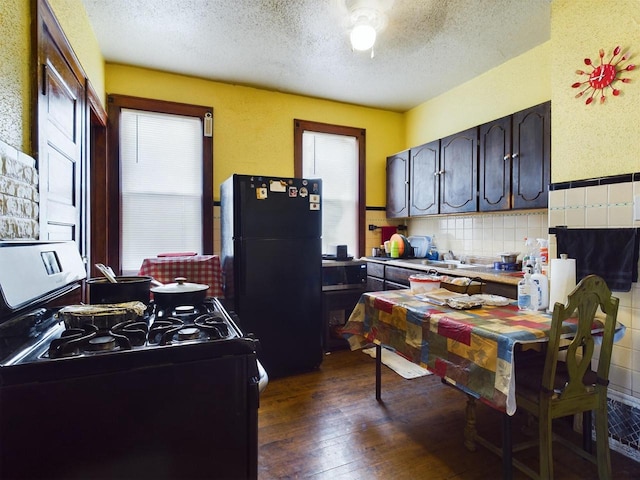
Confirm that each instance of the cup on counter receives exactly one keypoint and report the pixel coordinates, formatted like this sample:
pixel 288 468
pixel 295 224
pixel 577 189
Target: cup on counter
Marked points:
pixel 387 247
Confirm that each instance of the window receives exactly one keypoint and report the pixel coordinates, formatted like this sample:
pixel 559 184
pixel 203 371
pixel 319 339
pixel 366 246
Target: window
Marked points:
pixel 164 170
pixel 161 184
pixel 336 155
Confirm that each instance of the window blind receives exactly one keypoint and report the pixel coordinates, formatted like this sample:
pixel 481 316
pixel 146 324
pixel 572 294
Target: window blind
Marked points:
pixel 334 159
pixel 161 185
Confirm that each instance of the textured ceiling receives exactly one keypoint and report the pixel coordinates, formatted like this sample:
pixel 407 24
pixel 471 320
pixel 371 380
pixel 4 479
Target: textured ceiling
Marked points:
pixel 302 46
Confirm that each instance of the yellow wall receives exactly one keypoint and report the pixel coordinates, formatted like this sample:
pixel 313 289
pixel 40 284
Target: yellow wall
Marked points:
pixel 15 48
pixel 15 62
pixel 253 129
pixel 593 140
pixel 515 85
pixel 74 22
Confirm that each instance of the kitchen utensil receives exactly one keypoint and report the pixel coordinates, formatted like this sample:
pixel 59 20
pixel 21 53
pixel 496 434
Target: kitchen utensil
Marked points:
pixel 179 293
pixel 107 272
pixel 404 247
pixel 420 244
pixel 509 257
pixel 125 289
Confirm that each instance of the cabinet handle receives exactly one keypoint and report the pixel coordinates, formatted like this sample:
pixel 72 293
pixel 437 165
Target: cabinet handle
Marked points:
pixel 435 174
pixel 507 157
pixel 515 155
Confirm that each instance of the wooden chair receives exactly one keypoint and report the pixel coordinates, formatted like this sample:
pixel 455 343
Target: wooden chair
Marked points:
pixel 553 388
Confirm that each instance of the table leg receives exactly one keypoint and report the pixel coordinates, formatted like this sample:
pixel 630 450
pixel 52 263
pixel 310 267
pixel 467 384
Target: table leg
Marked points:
pixel 507 472
pixel 470 431
pixel 378 371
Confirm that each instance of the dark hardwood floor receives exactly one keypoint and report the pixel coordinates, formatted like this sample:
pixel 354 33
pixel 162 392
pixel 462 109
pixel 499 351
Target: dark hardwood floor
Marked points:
pixel 327 424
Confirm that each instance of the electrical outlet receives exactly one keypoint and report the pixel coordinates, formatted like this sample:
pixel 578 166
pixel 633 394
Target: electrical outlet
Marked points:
pixel 636 208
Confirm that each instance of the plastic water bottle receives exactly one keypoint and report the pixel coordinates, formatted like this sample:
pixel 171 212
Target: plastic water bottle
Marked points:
pixel 525 292
pixel 433 254
pixel 544 250
pixel 540 283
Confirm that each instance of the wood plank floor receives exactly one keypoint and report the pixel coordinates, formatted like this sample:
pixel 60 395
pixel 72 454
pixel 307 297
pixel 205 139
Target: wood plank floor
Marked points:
pixel 327 424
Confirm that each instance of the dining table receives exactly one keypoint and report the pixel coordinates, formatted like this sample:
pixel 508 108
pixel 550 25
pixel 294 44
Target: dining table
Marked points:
pixel 473 350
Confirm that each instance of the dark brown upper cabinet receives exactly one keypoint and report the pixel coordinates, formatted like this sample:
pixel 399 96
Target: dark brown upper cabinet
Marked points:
pixel 459 172
pixel 424 185
pixel 531 157
pixel 398 185
pixel 495 165
pixel 515 160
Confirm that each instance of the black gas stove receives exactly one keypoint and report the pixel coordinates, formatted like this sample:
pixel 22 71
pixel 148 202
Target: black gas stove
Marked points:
pixel 172 393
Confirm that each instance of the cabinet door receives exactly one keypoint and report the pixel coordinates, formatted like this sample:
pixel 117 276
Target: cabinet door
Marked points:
pixel 398 275
pixel 458 167
pixel 532 156
pixel 398 185
pixel 495 165
pixel 424 162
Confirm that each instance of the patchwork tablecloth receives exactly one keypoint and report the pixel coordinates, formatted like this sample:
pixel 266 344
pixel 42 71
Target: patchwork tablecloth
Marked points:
pixel 203 269
pixel 473 349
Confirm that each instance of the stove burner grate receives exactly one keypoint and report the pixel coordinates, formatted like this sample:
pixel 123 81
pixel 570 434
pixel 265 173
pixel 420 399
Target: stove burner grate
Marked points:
pixel 91 339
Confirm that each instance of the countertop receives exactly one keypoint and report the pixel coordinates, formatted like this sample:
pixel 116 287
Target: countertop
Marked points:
pixel 485 273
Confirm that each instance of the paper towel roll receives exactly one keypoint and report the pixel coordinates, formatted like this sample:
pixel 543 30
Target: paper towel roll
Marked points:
pixel 562 280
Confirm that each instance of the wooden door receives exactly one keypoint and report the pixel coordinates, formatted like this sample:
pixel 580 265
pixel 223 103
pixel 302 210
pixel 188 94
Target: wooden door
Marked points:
pixel 532 156
pixel 398 185
pixel 59 127
pixel 424 189
pixel 458 167
pixel 494 185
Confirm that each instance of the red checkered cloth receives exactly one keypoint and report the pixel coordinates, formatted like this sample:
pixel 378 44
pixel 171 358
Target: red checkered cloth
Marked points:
pixel 203 269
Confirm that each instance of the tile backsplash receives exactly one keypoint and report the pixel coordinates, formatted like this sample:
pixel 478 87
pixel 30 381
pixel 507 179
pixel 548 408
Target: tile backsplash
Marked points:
pixel 482 235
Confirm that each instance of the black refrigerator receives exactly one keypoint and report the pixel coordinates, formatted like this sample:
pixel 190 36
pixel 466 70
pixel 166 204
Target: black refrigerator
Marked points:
pixel 271 254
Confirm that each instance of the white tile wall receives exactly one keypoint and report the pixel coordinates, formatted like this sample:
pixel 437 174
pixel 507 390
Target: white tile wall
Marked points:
pixel 605 206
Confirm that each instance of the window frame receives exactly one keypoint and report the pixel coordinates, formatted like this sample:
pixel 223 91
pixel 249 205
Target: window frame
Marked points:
pixel 300 126
pixel 113 213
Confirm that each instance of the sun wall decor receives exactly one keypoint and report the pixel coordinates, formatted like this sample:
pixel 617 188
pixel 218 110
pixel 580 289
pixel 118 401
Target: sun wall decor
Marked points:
pixel 603 76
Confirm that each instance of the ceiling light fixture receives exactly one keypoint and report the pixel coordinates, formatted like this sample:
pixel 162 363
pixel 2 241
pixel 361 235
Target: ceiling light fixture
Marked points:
pixel 363 36
pixel 367 19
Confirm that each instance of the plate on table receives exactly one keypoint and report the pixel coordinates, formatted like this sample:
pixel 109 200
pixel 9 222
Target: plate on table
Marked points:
pixel 493 300
pixel 464 303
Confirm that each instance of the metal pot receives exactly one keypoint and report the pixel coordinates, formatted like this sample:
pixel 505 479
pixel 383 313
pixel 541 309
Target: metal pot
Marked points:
pixel 128 289
pixel 179 293
pixel 509 257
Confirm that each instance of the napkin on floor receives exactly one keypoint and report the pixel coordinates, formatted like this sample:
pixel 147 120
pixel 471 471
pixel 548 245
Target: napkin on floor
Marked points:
pixel 398 364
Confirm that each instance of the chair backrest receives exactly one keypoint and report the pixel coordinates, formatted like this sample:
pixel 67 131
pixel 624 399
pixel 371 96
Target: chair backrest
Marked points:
pixel 590 294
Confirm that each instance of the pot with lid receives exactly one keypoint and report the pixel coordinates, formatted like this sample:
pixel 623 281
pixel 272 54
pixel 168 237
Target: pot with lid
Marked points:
pixel 126 289
pixel 179 293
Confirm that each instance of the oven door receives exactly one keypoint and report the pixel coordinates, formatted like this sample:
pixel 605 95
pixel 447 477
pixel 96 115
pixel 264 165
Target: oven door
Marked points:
pixel 182 414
